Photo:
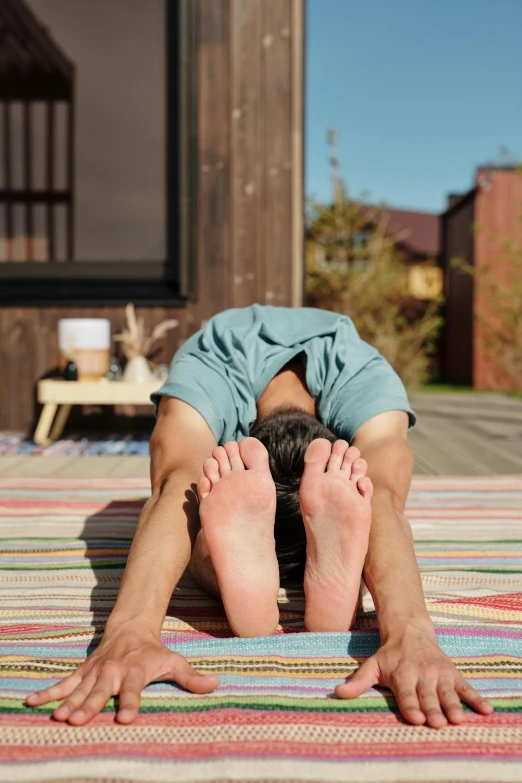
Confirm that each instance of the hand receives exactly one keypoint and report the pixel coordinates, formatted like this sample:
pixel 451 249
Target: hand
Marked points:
pixel 124 663
pixel 425 682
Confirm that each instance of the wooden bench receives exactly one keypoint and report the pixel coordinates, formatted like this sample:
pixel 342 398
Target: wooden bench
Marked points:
pixel 59 396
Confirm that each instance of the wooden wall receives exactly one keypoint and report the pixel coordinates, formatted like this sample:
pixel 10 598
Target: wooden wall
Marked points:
pixel 250 146
pixel 250 192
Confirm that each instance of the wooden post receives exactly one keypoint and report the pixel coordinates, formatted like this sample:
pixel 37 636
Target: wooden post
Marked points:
pixel 297 66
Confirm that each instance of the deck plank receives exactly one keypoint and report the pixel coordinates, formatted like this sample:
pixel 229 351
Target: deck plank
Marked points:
pixel 8 463
pixel 481 434
pixel 74 467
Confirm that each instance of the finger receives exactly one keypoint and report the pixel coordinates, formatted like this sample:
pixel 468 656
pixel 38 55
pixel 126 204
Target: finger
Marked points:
pixel 107 685
pixel 430 704
pixel 359 468
pixel 364 678
pixel 130 695
pixel 336 457
pixel 350 456
pixel 55 692
pixel 404 687
pixel 183 673
pixel 76 698
pixel 473 697
pixel 221 456
pixel 449 701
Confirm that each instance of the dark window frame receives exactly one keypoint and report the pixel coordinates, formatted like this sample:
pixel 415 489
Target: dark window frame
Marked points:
pixel 170 282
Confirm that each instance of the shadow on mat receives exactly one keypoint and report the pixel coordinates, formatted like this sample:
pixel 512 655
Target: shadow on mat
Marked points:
pixel 108 536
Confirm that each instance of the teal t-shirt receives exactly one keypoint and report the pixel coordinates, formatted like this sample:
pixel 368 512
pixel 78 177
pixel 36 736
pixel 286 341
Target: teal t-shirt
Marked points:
pixel 222 370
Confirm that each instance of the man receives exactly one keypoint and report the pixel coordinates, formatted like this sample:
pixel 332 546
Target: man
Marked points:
pixel 311 478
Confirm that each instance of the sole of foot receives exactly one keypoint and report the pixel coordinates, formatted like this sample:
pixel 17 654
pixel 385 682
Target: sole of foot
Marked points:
pixel 335 497
pixel 237 509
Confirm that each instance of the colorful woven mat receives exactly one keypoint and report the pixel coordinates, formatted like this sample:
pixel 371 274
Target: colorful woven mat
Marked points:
pixel 273 716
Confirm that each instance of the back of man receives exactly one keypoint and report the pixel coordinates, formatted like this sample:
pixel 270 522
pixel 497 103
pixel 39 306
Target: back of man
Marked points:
pixel 223 369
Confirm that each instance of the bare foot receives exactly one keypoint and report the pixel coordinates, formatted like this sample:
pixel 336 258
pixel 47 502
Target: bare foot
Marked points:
pixel 237 511
pixel 335 497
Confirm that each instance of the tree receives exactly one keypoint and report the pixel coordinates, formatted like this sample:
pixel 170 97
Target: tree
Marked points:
pixel 356 268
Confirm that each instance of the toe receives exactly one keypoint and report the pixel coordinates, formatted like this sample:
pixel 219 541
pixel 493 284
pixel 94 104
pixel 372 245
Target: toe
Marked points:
pixel 211 470
pixel 221 457
pixel 253 454
pixel 316 456
pixel 359 468
pixel 232 449
pixel 350 456
pixel 336 457
pixel 365 487
pixel 203 488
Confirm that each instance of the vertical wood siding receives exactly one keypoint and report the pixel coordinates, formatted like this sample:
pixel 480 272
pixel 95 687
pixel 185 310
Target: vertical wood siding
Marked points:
pixel 250 130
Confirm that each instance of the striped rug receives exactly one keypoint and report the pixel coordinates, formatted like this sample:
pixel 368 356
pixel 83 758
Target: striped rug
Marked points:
pixel 273 717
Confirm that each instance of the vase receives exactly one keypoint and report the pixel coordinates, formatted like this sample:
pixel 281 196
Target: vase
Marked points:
pixel 137 370
pixel 88 342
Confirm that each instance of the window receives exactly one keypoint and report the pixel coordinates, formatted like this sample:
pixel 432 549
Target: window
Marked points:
pixel 96 150
pixel 425 281
pixel 359 239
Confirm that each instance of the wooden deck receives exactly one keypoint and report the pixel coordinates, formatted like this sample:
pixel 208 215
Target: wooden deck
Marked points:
pixel 467 434
pixel 75 467
pixel 456 435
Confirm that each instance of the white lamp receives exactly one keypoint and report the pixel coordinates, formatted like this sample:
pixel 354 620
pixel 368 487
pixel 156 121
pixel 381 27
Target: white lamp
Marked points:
pixel 88 342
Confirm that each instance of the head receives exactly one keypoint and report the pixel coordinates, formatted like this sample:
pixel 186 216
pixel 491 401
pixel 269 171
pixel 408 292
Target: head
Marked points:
pixel 286 435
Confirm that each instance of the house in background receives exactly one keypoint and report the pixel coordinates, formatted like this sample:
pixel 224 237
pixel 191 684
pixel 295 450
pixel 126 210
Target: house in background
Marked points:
pixel 183 188
pixel 418 240
pixel 471 228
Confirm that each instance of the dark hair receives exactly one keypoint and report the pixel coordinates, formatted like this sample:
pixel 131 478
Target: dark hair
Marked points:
pixel 286 436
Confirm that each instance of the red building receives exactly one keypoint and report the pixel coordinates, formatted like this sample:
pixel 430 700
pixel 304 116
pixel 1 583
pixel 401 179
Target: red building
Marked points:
pixel 472 229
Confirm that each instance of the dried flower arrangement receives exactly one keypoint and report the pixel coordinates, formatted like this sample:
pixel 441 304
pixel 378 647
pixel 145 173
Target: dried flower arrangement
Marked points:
pixel 134 341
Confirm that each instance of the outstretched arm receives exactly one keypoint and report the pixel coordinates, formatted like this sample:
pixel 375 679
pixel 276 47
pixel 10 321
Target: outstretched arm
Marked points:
pixel 425 682
pixel 131 654
pixel 169 523
pixel 391 572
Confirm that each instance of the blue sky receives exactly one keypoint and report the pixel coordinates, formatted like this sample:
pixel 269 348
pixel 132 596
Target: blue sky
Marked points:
pixel 420 92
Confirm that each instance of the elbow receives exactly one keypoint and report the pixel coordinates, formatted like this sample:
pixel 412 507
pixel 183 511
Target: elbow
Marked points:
pixel 172 481
pixel 390 499
pixel 161 484
pixel 391 487
pixel 404 455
